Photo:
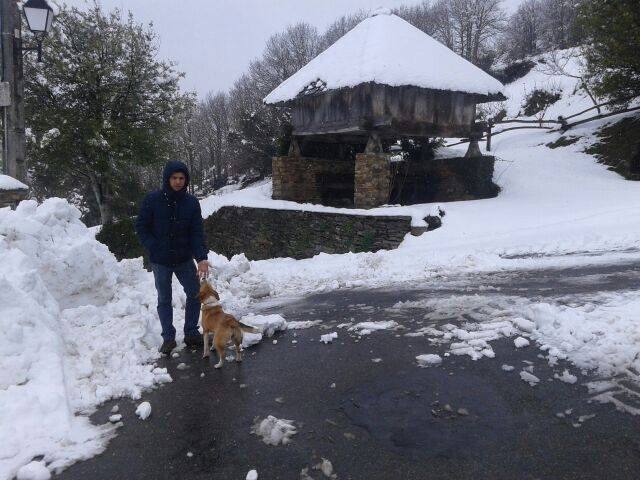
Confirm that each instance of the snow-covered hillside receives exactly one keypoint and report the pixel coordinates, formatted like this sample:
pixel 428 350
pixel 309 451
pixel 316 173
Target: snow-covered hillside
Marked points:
pixel 80 328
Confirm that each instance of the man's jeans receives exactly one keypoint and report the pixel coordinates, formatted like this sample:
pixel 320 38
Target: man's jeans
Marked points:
pixel 187 276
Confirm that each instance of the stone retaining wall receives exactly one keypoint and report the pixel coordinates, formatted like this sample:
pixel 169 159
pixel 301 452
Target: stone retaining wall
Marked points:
pixel 262 233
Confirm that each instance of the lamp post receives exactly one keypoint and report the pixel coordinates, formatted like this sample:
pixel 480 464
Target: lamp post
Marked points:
pixel 39 17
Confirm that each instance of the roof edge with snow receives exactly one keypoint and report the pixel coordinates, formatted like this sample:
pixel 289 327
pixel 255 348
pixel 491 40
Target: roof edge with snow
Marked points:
pixel 385 49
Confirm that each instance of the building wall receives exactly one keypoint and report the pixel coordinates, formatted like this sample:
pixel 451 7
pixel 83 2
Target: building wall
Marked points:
pixel 396 111
pixel 313 180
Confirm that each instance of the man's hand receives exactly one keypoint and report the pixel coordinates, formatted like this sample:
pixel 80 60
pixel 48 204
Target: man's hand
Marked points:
pixel 203 268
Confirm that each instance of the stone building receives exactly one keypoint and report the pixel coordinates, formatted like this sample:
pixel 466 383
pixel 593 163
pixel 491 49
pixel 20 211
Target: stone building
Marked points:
pixel 382 82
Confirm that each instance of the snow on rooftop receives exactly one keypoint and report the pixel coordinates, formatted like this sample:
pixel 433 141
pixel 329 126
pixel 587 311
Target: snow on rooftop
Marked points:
pixel 387 50
pixel 10 183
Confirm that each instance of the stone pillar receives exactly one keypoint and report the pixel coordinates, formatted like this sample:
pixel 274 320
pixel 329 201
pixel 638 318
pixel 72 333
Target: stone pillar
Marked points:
pixel 372 180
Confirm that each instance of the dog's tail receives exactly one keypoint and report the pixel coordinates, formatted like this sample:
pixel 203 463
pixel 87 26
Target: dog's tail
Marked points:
pixel 247 328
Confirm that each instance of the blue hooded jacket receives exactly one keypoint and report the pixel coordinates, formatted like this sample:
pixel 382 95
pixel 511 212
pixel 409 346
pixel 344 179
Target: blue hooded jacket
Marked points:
pixel 169 224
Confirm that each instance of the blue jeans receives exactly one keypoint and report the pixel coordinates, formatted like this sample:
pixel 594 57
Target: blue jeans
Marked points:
pixel 186 274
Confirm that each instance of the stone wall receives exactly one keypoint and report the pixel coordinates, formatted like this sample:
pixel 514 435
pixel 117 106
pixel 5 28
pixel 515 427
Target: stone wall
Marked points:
pixel 443 180
pixel 313 180
pixel 262 233
pixel 372 181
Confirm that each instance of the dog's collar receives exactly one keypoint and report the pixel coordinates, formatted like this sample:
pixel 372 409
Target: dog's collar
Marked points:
pixel 210 303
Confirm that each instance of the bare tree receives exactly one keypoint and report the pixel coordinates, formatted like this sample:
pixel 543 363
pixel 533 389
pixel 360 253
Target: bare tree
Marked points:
pixel 338 28
pixel 468 27
pixel 524 30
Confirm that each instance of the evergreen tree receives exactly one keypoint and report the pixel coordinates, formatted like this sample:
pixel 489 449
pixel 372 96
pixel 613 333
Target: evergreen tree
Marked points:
pixel 99 107
pixel 613 61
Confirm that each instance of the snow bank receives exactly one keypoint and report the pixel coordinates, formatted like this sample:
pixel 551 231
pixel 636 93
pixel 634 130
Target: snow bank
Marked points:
pixel 80 328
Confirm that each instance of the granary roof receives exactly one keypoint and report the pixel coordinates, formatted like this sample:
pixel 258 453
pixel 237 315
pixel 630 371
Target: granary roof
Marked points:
pixel 386 49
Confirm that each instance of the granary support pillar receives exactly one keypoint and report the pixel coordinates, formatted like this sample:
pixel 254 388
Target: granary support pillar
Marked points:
pixel 372 182
pixel 474 147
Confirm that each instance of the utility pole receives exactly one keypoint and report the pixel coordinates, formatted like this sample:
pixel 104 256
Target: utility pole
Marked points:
pixel 13 142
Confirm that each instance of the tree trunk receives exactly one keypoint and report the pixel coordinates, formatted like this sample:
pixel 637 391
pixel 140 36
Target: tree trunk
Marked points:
pixel 104 198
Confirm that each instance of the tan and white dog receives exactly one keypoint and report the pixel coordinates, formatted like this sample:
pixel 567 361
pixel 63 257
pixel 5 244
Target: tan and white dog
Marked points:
pixel 224 326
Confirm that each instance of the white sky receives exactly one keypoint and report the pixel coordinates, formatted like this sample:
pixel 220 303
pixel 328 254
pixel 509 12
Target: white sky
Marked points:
pixel 213 41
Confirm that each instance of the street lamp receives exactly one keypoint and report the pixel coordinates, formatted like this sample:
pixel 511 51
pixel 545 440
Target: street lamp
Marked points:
pixel 39 17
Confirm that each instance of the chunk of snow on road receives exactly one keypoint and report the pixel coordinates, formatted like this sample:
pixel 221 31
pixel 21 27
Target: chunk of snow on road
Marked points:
pixel 529 378
pixel 144 410
pixel 274 431
pixel 252 475
pixel 365 328
pixel 566 377
pixel 521 342
pixel 115 418
pixel 328 337
pixel 266 324
pixel 296 325
pixel 428 359
pixel 507 368
pixel 326 467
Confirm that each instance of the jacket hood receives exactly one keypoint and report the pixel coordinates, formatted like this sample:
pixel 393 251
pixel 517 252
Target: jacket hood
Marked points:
pixel 169 169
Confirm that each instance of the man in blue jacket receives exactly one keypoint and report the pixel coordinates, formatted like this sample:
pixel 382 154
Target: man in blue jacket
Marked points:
pixel 169 226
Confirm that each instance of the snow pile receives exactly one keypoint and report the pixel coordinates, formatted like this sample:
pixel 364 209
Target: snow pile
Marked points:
pixel 274 431
pixel 386 49
pixel 34 471
pixel 10 183
pixel 80 328
pixel 601 335
pixel 235 281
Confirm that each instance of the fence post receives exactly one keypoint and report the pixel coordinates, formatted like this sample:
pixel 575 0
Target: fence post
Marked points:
pixel 489 126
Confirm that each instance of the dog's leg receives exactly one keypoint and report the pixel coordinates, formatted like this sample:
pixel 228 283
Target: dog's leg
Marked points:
pixel 237 339
pixel 205 341
pixel 219 343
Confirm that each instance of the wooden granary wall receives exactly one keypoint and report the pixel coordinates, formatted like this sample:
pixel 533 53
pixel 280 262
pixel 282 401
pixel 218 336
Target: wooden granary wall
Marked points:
pixel 392 112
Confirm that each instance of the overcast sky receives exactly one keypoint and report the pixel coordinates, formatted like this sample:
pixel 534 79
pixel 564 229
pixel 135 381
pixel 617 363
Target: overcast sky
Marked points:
pixel 213 41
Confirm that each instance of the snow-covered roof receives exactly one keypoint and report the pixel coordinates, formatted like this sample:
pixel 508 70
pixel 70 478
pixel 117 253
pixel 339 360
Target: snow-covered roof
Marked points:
pixel 10 183
pixel 387 50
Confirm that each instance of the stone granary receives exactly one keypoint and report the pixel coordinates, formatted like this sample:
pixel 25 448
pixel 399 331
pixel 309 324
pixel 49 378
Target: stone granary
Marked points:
pixel 382 82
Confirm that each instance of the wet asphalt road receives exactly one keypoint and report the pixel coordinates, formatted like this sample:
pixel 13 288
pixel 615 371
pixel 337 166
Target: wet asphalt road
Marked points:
pixel 384 420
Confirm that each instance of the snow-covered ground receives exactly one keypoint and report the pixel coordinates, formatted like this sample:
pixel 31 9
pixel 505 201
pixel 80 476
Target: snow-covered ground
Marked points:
pixel 80 328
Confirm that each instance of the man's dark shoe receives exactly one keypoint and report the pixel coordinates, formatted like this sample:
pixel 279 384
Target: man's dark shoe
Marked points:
pixel 167 346
pixel 193 340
